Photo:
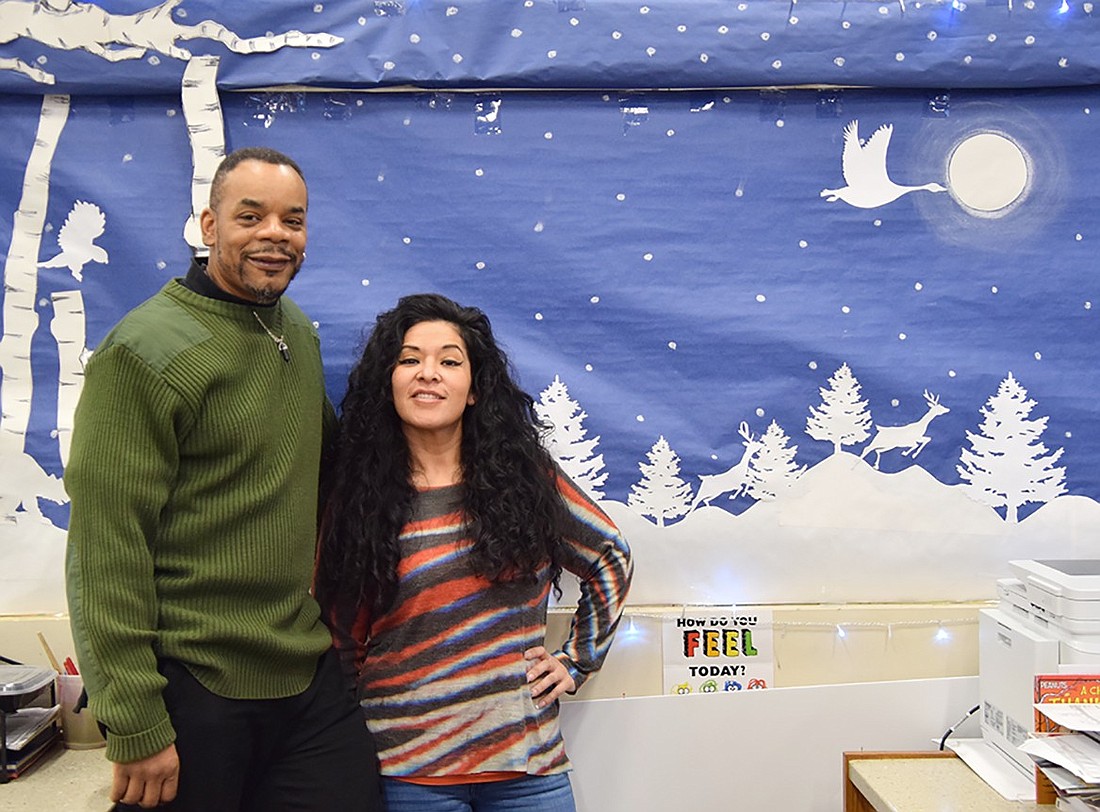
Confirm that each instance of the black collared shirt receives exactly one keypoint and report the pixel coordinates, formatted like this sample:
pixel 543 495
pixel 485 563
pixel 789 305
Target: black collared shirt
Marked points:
pixel 200 282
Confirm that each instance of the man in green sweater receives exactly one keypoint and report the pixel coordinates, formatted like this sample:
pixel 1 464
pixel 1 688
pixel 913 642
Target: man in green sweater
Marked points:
pixel 194 483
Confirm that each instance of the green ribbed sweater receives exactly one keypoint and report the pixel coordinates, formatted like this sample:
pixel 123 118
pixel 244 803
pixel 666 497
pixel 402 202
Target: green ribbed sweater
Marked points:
pixel 193 476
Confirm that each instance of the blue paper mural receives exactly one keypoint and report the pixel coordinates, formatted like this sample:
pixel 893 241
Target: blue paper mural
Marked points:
pixel 802 343
pixel 602 44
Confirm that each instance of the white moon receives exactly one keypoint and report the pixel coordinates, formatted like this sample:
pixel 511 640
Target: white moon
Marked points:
pixel 987 173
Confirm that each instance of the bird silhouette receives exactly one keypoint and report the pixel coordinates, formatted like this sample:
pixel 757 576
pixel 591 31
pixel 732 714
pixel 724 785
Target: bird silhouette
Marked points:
pixel 77 239
pixel 864 167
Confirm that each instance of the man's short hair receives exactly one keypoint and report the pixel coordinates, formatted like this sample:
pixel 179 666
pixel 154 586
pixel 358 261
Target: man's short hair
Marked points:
pixel 239 156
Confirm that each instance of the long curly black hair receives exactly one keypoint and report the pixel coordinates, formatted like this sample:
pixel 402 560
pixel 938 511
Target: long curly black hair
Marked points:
pixel 515 516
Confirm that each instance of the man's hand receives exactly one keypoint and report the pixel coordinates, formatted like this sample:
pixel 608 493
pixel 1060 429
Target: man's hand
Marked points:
pixel 547 676
pixel 148 783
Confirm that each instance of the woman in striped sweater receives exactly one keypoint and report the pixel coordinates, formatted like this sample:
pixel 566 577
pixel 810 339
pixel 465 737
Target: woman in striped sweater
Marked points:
pixel 448 525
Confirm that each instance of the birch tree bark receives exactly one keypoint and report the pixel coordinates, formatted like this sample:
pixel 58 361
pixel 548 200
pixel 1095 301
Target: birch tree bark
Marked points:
pixel 21 279
pixel 70 331
pixel 202 111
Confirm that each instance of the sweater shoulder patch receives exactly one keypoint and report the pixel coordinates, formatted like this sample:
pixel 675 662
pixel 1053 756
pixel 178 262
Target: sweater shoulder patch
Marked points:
pixel 157 331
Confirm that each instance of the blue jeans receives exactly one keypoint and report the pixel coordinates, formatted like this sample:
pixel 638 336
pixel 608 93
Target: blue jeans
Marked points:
pixel 544 793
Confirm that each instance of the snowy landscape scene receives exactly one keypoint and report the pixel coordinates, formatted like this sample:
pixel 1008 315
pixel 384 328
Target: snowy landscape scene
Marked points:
pixel 842 530
pixel 801 345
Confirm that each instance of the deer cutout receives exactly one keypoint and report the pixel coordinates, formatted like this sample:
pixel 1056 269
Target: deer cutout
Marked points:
pixel 732 481
pixel 910 437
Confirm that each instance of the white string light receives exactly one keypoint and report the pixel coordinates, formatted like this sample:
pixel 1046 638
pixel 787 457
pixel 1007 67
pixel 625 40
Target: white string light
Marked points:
pixel 841 629
pixel 803 625
pixel 888 627
pixel 631 627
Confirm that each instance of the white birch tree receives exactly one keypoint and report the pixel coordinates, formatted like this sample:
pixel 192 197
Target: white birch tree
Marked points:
pixel 69 329
pixel 660 493
pixel 22 479
pixel 842 419
pixel 114 37
pixel 566 440
pixel 1007 464
pixel 21 277
pixel 202 111
pixel 773 468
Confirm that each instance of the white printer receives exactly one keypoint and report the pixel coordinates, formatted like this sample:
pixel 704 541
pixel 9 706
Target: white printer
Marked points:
pixel 1047 621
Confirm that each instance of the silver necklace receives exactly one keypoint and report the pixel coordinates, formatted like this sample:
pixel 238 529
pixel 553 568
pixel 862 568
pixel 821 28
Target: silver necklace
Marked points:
pixel 280 342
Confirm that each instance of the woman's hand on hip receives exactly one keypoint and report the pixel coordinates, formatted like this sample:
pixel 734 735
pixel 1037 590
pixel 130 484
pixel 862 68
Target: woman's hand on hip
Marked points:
pixel 547 676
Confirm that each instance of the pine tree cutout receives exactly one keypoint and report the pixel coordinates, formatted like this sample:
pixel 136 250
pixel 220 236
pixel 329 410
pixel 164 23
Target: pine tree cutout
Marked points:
pixel 566 441
pixel 1008 465
pixel 843 418
pixel 773 469
pixel 660 493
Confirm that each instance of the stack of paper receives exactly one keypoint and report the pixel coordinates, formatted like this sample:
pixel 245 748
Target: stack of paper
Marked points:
pixel 1076 752
pixel 1072 716
pixel 1075 804
pixel 1070 760
pixel 1076 794
pixel 28 723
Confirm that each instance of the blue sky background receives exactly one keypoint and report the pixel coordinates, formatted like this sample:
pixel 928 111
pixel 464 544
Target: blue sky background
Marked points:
pixel 623 44
pixel 600 227
pixel 726 202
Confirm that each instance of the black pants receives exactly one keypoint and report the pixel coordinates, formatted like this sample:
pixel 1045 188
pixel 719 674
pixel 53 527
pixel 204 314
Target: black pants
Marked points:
pixel 306 753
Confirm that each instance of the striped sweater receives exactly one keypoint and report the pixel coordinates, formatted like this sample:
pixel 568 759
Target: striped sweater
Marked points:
pixel 442 678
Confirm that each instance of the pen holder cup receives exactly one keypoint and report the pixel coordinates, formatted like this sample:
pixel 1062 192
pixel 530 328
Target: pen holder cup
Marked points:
pixel 79 730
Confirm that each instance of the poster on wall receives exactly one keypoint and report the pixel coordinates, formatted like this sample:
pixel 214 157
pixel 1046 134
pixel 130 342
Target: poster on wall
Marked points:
pixel 852 328
pixel 718 650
